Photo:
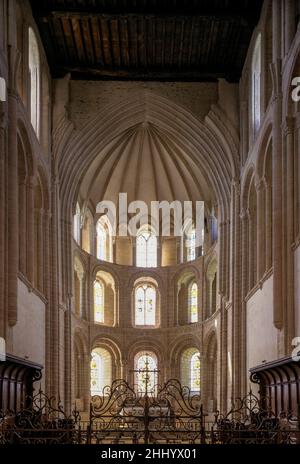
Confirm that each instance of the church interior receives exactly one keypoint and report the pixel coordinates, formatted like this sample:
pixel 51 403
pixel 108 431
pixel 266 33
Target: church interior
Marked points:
pixel 164 101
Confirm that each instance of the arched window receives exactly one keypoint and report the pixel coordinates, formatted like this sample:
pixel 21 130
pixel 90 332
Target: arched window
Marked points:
pixel 195 372
pixel 256 85
pixel 145 305
pixel 191 244
pixel 88 232
pixel 101 371
pixel 104 240
pixel 35 71
pixel 193 302
pixel 145 367
pixel 146 248
pixel 98 301
pixel 76 223
pixel 190 369
pixel 78 287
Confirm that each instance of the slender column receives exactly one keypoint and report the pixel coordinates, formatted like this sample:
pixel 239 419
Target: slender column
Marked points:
pixel 260 249
pixel 244 289
pixel 13 210
pixel 159 251
pixel 277 168
pixel 68 358
pixel 221 264
pixel 245 129
pixel 22 227
pixel 47 292
pixel 41 250
pixel 268 235
pixel 290 316
pixel 236 289
pixel 297 205
pixel 250 253
pixel 3 145
pixel 290 23
pixel 30 231
pixel 86 387
pixel 54 310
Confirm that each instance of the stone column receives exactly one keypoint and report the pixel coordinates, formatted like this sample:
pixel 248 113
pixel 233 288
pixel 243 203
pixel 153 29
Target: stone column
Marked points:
pixel 268 219
pixel 277 166
pixel 159 251
pixel 260 248
pixel 54 309
pixel 290 23
pixel 244 291
pixel 86 382
pixel 12 210
pixel 134 251
pixel 41 250
pixel 47 279
pixel 244 129
pixel 222 258
pixel 30 231
pixel 3 146
pixel 290 316
pixel 250 253
pixel 22 226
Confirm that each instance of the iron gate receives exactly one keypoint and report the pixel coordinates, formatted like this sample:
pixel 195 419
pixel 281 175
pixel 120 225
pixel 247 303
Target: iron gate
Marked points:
pixel 170 415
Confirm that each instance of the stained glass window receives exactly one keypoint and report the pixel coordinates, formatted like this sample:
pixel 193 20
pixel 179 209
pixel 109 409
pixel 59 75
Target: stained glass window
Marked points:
pixel 193 302
pixel 101 371
pixel 146 373
pixel 195 372
pixel 101 242
pixel 146 249
pixel 77 224
pixel 96 374
pixel 145 305
pixel 34 72
pixel 191 245
pixel 98 301
pixel 256 72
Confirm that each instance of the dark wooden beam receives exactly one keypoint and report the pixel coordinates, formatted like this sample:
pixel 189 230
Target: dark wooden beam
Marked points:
pixel 240 19
pixel 145 75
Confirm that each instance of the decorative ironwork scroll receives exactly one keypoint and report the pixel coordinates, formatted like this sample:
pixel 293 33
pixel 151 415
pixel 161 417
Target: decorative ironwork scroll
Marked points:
pixel 251 421
pixel 172 415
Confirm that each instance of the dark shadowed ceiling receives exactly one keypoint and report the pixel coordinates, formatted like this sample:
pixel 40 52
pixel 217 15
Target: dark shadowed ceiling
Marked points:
pixel 180 40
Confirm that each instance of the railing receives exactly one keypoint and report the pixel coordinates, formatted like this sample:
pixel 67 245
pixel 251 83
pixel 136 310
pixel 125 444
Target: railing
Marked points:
pixel 173 415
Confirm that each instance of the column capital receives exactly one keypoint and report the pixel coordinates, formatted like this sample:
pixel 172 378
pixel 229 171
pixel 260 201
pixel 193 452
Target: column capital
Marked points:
pixel 288 125
pixel 260 185
pixel 244 214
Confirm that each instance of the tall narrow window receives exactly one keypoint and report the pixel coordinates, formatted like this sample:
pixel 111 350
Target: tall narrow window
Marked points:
pixel 35 71
pixel 101 242
pixel 256 85
pixel 145 305
pixel 101 371
pixel 104 240
pixel 76 223
pixel 193 303
pixel 190 369
pixel 146 248
pixel 98 301
pixel 191 245
pixel 145 367
pixel 195 372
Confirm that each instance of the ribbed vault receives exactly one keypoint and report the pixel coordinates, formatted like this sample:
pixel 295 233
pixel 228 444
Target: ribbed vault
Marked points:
pixel 150 148
pixel 148 165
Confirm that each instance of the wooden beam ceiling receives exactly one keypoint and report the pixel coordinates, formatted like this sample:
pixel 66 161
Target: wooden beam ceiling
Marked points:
pixel 147 39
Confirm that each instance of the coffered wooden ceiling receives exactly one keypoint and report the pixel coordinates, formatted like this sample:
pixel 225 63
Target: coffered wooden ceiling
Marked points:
pixel 179 40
